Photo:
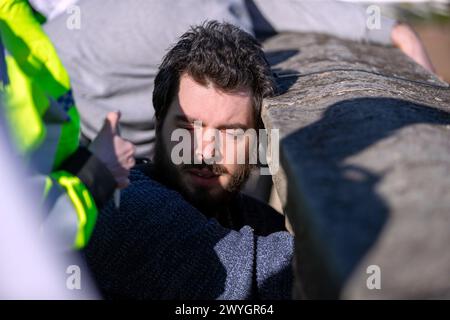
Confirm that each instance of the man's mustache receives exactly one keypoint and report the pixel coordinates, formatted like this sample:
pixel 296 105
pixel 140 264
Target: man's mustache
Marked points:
pixel 215 168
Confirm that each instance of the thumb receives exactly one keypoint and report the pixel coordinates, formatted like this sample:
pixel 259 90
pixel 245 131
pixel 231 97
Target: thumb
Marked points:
pixel 112 120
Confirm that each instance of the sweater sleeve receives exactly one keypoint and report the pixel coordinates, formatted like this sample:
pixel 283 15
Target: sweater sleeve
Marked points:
pixel 344 20
pixel 159 247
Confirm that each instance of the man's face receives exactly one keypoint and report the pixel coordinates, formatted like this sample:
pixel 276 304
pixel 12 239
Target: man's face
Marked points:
pixel 213 120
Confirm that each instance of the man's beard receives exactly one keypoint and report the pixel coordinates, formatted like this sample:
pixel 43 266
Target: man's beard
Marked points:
pixel 172 176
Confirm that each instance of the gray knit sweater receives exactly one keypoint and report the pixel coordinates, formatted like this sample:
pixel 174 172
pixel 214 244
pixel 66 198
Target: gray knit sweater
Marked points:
pixel 160 247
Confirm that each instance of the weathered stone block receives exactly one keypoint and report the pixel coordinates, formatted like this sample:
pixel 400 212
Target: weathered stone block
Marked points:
pixel 365 153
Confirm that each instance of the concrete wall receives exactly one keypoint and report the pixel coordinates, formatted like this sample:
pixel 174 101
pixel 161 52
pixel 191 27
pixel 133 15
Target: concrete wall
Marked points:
pixel 365 177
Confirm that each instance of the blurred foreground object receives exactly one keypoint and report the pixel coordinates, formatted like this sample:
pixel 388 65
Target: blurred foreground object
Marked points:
pixel 29 269
pixel 404 37
pixel 45 127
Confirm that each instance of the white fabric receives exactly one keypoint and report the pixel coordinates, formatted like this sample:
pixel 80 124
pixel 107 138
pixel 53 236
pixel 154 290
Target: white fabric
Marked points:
pixel 52 8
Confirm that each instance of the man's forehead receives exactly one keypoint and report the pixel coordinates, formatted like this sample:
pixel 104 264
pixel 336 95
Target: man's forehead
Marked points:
pixel 211 105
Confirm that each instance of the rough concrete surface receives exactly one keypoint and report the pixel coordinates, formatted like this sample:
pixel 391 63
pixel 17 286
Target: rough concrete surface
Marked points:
pixel 365 177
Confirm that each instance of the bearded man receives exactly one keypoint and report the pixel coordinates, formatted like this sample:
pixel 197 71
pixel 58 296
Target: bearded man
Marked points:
pixel 211 85
pixel 183 230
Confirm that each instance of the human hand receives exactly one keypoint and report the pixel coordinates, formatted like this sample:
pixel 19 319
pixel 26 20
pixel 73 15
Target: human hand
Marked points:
pixel 115 152
pixel 404 37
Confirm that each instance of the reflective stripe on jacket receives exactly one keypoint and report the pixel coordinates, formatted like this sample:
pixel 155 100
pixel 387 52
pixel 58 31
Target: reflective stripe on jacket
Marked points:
pixel 44 121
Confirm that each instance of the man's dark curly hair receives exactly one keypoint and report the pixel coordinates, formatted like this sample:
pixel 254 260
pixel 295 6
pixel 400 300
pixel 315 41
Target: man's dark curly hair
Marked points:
pixel 217 53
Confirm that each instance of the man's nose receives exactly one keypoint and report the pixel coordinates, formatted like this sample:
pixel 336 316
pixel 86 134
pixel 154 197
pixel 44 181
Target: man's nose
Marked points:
pixel 207 146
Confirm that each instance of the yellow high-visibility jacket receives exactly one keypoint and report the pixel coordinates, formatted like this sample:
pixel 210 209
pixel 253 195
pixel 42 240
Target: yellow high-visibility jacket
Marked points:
pixel 45 125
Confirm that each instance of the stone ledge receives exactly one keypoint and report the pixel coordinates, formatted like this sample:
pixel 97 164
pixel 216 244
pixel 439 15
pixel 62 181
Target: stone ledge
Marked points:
pixel 365 177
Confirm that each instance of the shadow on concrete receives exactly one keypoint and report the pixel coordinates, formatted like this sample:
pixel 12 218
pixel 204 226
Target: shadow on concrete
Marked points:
pixel 284 78
pixel 335 209
pixel 275 57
